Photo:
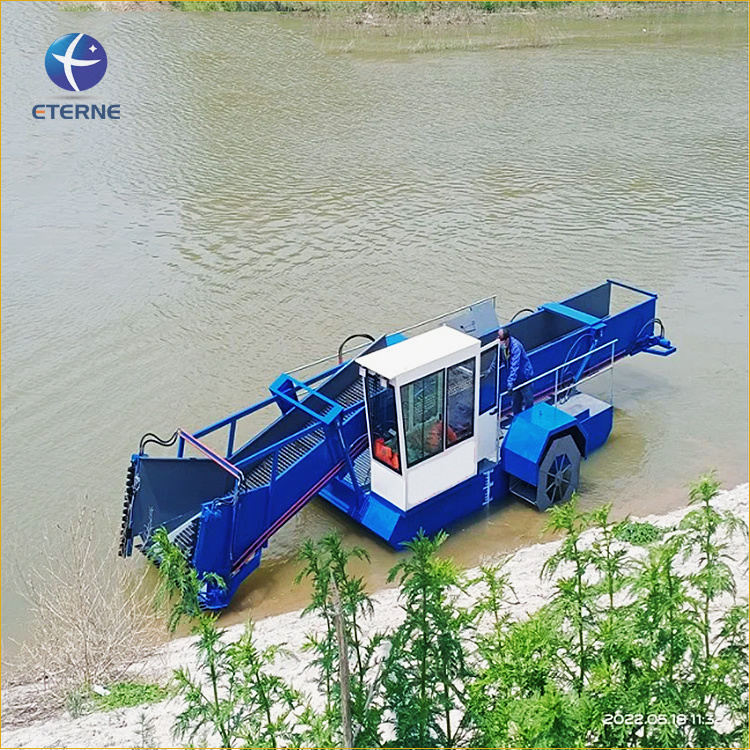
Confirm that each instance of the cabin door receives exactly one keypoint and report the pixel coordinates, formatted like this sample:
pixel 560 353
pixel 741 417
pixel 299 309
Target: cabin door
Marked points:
pixel 488 390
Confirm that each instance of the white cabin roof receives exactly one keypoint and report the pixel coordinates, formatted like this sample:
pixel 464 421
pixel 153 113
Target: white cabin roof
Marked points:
pixel 418 352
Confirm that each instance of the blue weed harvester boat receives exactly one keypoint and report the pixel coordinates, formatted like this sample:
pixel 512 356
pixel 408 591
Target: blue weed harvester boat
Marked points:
pixel 414 433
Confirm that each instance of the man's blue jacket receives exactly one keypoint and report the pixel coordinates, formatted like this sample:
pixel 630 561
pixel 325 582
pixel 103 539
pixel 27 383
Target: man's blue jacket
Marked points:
pixel 519 366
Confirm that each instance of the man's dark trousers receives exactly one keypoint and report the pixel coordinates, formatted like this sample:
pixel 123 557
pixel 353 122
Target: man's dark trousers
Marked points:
pixel 523 398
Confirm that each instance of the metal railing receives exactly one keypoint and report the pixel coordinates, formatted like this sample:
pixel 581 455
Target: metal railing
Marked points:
pixel 250 461
pixel 565 386
pixel 335 408
pixel 273 450
pixel 448 314
pixel 232 420
pixel 442 316
pixel 186 437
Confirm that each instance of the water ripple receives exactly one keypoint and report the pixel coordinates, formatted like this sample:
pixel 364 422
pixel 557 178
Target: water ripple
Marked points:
pixel 260 200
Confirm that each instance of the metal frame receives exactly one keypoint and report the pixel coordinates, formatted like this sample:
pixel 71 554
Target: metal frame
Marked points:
pixel 186 437
pixel 327 419
pixel 583 379
pixel 396 333
pixel 232 420
pixel 632 288
pixel 449 314
pixel 399 429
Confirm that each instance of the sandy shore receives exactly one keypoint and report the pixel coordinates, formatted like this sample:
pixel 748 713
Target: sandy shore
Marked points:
pixel 125 728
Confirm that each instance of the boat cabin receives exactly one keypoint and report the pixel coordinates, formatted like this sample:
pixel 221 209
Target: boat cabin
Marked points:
pixel 422 399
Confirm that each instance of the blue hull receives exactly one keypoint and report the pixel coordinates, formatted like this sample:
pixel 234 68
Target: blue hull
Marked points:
pixel 223 508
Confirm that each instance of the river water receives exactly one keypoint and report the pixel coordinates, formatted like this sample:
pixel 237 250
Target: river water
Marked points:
pixel 262 197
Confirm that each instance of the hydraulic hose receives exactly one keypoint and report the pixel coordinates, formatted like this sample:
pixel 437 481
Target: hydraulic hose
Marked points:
pixel 522 310
pixel 150 437
pixel 348 339
pixel 647 326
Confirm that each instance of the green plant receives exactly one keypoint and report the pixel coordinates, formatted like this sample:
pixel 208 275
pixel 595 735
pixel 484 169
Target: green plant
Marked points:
pixel 129 694
pixel 519 665
pixel 522 696
pixel 576 595
pixel 234 5
pixel 205 707
pixel 269 702
pixel 705 531
pixel 664 634
pixel 700 529
pixel 86 698
pixel 611 632
pixel 640 533
pixel 427 668
pixel 497 585
pixel 146 733
pixel 233 695
pixel 77 701
pixel 339 595
pixel 730 667
pixel 179 583
pixel 619 637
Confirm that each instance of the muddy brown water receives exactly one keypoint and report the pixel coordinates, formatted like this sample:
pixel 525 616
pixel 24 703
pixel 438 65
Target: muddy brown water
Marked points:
pixel 263 197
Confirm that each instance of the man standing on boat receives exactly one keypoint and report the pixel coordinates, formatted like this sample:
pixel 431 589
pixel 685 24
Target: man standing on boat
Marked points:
pixel 520 371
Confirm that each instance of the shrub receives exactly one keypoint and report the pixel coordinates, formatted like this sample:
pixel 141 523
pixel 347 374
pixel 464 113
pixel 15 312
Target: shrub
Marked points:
pixel 427 669
pixel 640 533
pixel 129 694
pixel 620 637
pixel 92 618
pixel 657 656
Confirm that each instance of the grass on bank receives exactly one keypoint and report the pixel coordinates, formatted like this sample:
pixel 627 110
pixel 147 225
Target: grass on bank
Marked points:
pixel 385 28
pixel 640 533
pixel 627 652
pixel 87 698
pixel 383 8
pixel 375 29
pixel 621 636
pixel 467 8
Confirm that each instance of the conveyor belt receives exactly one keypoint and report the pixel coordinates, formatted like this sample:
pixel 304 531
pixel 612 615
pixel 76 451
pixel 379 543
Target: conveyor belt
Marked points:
pixel 260 474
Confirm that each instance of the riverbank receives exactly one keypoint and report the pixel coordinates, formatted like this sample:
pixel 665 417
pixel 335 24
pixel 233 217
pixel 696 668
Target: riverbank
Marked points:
pixel 467 10
pixel 150 726
pixel 375 29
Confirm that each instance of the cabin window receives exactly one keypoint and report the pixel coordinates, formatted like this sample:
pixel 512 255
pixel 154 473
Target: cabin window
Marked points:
pixel 488 380
pixel 381 411
pixel 422 407
pixel 460 403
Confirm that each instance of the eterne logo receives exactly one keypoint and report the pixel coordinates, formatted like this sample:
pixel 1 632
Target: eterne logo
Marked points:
pixel 76 62
pixel 76 111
